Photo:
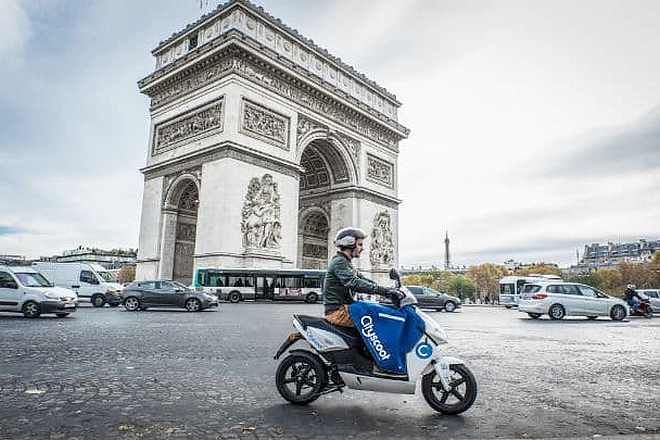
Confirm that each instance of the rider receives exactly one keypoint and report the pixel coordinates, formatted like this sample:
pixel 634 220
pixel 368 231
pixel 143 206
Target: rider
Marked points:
pixel 631 296
pixel 342 279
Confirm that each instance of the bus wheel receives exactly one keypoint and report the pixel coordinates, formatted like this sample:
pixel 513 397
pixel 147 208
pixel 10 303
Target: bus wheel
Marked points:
pixel 234 297
pixel 311 298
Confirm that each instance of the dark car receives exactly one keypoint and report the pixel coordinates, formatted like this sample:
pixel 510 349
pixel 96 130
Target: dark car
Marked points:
pixel 139 295
pixel 428 298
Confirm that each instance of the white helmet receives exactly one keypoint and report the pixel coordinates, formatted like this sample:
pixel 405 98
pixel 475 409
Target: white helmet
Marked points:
pixel 347 237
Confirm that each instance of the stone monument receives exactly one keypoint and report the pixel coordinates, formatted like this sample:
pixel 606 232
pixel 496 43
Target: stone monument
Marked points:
pixel 262 146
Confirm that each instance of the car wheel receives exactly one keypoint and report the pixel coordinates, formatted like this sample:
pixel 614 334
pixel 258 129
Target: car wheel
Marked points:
pixel 31 310
pixel 234 297
pixel 618 312
pixel 450 306
pixel 311 298
pixel 556 312
pixel 534 315
pixel 193 305
pixel 62 315
pixel 132 304
pixel 98 301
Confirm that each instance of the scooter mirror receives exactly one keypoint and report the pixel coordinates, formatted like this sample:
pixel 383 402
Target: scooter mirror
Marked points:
pixel 394 275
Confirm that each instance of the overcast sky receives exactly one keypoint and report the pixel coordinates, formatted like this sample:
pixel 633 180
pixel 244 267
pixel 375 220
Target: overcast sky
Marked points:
pixel 535 125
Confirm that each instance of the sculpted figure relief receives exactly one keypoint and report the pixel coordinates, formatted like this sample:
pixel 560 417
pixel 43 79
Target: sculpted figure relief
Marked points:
pixel 261 225
pixel 382 245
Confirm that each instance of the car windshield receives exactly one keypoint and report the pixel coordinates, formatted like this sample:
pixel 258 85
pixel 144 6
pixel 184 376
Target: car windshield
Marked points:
pixel 33 279
pixel 107 277
pixel 178 285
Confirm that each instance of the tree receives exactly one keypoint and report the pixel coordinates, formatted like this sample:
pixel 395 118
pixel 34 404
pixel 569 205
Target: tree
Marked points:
pixel 126 274
pixel 486 277
pixel 641 275
pixel 539 268
pixel 461 285
pixel 611 281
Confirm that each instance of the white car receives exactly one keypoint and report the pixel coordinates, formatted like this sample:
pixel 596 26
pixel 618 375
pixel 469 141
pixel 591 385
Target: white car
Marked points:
pixel 559 299
pixel 25 290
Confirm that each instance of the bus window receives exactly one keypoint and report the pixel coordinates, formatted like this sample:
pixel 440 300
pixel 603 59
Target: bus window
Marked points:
pixel 312 283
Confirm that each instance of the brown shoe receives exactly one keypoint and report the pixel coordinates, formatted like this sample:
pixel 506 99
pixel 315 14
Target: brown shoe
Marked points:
pixel 388 374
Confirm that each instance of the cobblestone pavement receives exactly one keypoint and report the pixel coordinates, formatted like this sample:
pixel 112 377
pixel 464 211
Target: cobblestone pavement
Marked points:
pixel 109 373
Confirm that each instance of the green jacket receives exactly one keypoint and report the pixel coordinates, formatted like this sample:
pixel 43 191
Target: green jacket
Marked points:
pixel 342 279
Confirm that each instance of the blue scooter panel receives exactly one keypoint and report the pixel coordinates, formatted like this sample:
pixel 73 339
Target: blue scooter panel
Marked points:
pixel 388 333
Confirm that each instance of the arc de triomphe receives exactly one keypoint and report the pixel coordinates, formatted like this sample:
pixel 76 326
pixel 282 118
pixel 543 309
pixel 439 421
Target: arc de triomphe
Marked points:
pixel 262 146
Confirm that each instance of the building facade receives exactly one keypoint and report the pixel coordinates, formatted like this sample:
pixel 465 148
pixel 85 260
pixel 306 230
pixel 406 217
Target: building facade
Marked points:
pixel 262 146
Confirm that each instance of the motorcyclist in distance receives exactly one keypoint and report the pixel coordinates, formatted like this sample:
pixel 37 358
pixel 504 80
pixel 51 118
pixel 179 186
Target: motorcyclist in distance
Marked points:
pixel 632 297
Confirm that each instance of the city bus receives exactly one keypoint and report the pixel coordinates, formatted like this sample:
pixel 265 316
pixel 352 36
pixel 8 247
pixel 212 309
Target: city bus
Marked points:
pixel 511 287
pixel 240 284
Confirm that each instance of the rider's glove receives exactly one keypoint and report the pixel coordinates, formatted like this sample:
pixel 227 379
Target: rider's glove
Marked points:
pixel 395 294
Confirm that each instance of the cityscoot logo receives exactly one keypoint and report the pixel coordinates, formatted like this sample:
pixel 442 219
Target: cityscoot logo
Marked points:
pixel 368 331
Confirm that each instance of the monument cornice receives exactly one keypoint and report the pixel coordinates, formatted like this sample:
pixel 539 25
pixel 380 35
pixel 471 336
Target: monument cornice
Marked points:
pixel 352 192
pixel 220 151
pixel 235 58
pixel 269 31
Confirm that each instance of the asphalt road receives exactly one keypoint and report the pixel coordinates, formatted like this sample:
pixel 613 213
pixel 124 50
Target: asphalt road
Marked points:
pixel 109 373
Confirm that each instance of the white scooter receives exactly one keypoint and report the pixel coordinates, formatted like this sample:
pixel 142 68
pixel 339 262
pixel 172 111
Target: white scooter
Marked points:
pixel 337 358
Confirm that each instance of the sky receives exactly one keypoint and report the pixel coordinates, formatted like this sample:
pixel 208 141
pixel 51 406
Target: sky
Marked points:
pixel 534 125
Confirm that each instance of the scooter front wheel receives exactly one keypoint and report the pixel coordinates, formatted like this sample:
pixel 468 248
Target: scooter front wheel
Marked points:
pixel 300 378
pixel 460 396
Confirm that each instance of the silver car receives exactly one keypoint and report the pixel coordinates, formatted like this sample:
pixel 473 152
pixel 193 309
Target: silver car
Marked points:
pixel 560 299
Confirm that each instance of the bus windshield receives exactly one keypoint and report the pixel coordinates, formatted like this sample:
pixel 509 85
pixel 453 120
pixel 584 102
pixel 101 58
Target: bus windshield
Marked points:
pixel 240 284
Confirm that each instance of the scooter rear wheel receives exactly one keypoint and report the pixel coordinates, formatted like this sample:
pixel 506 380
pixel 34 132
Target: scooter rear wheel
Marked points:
pixel 300 379
pixel 460 397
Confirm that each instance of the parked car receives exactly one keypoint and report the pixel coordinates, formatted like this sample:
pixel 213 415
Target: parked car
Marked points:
pixel 140 295
pixel 560 299
pixel 654 298
pixel 428 298
pixel 25 290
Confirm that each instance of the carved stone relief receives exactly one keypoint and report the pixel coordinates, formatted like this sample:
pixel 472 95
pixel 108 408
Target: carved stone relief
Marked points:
pixel 261 225
pixel 382 245
pixel 195 123
pixel 262 123
pixel 380 171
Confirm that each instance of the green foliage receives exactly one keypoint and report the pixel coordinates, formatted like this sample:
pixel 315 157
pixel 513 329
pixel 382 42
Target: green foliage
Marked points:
pixel 126 274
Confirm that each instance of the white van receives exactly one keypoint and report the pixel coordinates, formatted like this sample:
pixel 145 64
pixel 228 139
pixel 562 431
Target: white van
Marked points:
pixel 92 282
pixel 25 290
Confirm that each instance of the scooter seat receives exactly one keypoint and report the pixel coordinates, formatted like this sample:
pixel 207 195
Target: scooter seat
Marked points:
pixel 349 334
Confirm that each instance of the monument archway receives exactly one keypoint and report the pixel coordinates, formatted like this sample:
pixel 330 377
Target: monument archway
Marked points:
pixel 262 147
pixel 179 213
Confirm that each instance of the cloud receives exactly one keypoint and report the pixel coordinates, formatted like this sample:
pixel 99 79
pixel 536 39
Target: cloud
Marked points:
pixel 632 148
pixel 15 30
